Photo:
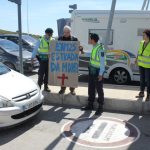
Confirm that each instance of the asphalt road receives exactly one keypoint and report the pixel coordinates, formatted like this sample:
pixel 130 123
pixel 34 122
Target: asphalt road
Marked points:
pixel 43 132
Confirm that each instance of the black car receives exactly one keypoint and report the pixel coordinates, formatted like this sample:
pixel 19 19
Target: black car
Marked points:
pixel 28 42
pixel 9 55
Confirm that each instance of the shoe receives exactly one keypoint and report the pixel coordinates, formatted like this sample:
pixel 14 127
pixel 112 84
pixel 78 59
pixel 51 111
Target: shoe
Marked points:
pixel 61 92
pixel 73 93
pixel 88 107
pixel 147 98
pixel 141 95
pixel 99 111
pixel 39 85
pixel 46 89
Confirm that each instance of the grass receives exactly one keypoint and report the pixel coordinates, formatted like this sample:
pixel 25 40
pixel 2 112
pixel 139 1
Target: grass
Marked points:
pixel 10 32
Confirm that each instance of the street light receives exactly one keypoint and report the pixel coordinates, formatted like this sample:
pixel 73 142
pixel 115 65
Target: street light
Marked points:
pixel 73 7
pixel 110 21
pixel 18 2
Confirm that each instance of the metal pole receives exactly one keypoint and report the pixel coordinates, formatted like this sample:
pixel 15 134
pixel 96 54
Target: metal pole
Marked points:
pixel 28 17
pixel 113 5
pixel 147 5
pixel 144 3
pixel 20 37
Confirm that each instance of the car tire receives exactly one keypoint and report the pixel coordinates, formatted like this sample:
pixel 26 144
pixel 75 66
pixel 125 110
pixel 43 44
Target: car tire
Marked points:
pixel 120 76
pixel 10 65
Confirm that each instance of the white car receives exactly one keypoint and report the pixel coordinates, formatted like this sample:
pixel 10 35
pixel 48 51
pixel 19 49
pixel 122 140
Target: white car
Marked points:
pixel 20 97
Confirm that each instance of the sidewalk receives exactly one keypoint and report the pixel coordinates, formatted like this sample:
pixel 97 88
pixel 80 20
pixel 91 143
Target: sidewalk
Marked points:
pixel 117 98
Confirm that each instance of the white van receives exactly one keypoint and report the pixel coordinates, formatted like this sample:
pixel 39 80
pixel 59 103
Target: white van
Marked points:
pixel 125 35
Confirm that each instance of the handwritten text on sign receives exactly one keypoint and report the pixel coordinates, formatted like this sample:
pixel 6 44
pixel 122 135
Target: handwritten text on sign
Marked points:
pixel 63 66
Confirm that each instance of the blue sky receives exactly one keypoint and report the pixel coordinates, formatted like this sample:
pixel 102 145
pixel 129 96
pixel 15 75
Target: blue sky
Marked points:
pixel 44 13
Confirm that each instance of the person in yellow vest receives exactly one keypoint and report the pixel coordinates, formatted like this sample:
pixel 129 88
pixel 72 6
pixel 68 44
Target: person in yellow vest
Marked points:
pixel 143 61
pixel 96 72
pixel 41 51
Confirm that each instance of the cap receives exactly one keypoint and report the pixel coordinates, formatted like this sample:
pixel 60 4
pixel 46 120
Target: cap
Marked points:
pixel 49 30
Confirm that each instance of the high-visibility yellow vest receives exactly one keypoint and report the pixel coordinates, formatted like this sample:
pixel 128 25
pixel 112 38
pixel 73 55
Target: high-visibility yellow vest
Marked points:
pixel 144 55
pixel 44 48
pixel 95 57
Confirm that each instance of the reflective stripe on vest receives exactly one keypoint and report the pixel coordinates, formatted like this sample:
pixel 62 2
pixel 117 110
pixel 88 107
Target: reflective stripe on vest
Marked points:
pixel 95 58
pixel 144 55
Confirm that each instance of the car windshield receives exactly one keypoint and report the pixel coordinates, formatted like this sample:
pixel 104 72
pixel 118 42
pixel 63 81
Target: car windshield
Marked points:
pixel 3 69
pixel 9 46
pixel 29 39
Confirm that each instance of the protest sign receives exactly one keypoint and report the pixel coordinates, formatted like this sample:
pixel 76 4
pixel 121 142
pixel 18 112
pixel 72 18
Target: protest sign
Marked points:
pixel 63 63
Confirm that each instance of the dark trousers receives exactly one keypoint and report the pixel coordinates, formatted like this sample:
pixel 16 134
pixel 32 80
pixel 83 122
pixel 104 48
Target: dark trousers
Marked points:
pixel 71 89
pixel 95 86
pixel 144 79
pixel 43 73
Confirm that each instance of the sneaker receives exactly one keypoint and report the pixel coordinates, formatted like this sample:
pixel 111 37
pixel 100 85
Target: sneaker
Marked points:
pixel 73 93
pixel 141 95
pixel 61 92
pixel 88 107
pixel 39 85
pixel 147 98
pixel 46 89
pixel 99 111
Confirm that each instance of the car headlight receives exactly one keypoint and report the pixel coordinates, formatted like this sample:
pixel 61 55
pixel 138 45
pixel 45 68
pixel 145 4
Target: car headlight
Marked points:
pixel 4 102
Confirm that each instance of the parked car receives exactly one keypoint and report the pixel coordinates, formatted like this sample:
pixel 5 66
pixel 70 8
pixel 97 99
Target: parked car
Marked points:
pixel 20 97
pixel 28 42
pixel 9 55
pixel 120 66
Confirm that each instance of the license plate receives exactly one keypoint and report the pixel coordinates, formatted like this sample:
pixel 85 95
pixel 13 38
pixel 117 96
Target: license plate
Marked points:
pixel 30 105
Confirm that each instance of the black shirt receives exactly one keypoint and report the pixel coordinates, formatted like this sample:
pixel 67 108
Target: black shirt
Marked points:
pixel 70 38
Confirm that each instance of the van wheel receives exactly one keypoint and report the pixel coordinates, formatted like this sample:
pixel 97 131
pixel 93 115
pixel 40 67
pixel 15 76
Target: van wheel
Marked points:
pixel 10 65
pixel 120 76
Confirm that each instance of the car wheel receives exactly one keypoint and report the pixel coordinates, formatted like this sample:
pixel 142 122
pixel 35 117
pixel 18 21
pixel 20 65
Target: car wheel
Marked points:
pixel 120 76
pixel 10 65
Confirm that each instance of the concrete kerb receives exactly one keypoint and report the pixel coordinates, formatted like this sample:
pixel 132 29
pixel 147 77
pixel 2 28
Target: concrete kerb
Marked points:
pixel 113 101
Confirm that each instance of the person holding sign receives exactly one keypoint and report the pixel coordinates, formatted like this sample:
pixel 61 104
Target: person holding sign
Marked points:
pixel 96 71
pixel 41 51
pixel 67 37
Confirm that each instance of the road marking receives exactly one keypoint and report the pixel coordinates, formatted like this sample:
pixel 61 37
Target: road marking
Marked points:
pixel 102 132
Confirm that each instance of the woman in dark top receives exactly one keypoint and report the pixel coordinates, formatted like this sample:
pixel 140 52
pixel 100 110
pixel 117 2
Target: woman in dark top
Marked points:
pixel 143 61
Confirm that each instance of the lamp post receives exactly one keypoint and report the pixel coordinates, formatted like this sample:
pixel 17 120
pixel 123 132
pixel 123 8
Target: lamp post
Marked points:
pixel 18 2
pixel 73 7
pixel 110 21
